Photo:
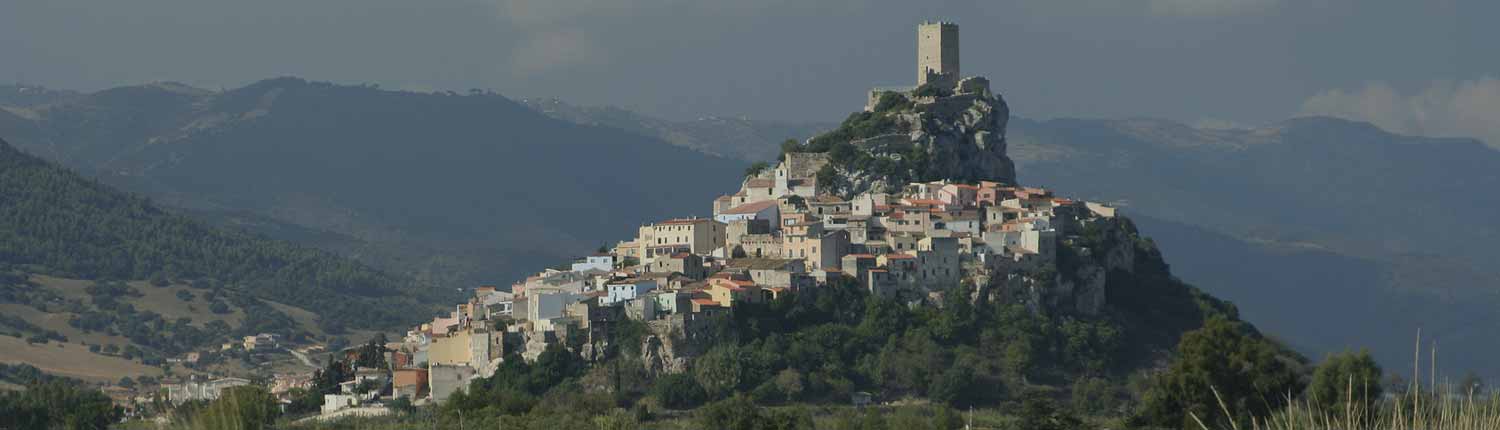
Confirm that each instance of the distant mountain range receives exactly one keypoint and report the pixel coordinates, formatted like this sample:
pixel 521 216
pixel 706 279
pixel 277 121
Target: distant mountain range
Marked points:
pixel 740 138
pixel 1327 233
pixel 452 189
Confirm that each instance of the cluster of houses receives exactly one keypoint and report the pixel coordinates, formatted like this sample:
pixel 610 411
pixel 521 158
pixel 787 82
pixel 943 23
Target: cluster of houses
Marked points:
pixel 779 233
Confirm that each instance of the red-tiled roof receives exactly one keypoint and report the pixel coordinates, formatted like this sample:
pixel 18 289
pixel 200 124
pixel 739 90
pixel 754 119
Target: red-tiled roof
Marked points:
pixel 923 202
pixel 705 302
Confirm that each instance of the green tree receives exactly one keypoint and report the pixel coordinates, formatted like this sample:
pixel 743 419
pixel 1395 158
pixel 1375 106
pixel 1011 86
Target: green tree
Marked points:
pixel 239 408
pixel 1039 412
pixel 57 405
pixel 678 391
pixel 756 168
pixel 955 387
pixel 720 371
pixel 740 413
pixel 789 145
pixel 1346 377
pixel 1224 359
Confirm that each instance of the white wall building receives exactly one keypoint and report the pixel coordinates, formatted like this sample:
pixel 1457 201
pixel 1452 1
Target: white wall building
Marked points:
pixel 601 263
pixel 629 290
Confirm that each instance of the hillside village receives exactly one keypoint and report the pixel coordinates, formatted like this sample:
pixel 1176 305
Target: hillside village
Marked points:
pixel 785 230
pixel 782 232
pixel 778 234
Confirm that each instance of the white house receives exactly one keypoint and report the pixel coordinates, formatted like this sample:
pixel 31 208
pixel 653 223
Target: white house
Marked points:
pixel 627 290
pixel 336 402
pixel 598 262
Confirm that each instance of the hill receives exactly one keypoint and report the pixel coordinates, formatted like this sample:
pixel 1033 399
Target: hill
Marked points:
pixel 205 284
pixel 450 189
pixel 930 306
pixel 1315 200
pixel 1312 222
pixel 740 138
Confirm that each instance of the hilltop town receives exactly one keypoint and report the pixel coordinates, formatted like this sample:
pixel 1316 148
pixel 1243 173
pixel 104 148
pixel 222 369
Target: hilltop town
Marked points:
pixel 787 230
pixel 431 259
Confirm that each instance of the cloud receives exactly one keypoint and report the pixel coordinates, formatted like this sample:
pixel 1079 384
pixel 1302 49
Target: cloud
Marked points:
pixel 1208 8
pixel 1444 108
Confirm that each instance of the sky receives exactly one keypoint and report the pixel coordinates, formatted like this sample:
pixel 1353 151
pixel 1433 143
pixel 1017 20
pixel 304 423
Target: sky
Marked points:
pixel 1420 67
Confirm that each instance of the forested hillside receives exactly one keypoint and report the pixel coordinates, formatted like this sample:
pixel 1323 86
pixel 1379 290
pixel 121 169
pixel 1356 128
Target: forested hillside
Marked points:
pixel 446 188
pixel 56 222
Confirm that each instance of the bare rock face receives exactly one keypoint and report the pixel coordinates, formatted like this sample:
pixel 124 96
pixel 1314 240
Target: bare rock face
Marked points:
pixel 1075 284
pixel 964 134
pixel 658 356
pixel 953 133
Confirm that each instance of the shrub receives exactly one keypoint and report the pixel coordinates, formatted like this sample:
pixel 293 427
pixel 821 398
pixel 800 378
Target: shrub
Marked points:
pixel 1343 378
pixel 678 391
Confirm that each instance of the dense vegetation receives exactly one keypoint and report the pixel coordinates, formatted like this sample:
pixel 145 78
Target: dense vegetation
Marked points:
pixel 54 221
pixel 56 404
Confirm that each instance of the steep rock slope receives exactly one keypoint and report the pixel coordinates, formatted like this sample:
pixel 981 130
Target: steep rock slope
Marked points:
pixel 926 134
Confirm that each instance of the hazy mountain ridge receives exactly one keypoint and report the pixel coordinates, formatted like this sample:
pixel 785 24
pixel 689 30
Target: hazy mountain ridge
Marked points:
pixel 1309 180
pixel 1301 219
pixel 1339 190
pixel 408 172
pixel 739 138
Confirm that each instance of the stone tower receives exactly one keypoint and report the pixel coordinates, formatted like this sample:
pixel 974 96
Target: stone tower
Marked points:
pixel 937 53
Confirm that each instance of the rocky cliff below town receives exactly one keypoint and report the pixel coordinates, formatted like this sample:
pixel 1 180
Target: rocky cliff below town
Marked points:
pixel 925 134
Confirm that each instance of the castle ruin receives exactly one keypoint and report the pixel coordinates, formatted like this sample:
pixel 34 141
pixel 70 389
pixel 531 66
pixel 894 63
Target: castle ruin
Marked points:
pixel 937 53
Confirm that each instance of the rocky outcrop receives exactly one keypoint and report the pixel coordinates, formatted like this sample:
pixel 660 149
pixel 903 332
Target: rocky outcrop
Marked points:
pixel 671 343
pixel 963 135
pixel 929 133
pixel 1076 282
pixel 659 356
